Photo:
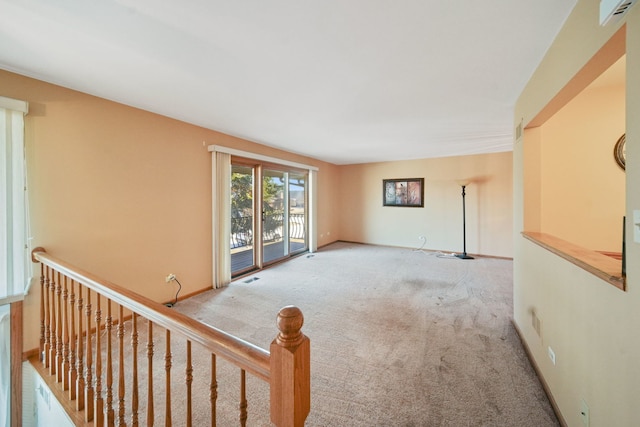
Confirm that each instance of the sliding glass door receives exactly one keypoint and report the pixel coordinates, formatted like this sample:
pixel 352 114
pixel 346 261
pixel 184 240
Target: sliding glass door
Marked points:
pixel 298 212
pixel 279 197
pixel 274 215
pixel 242 218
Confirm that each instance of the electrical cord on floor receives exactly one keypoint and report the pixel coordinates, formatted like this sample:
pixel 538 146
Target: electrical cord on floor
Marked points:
pixel 171 278
pixel 179 289
pixel 443 255
pixel 438 254
pixel 424 242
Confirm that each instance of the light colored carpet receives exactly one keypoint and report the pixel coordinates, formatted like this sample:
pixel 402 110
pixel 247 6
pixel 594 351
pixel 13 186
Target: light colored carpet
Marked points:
pixel 398 338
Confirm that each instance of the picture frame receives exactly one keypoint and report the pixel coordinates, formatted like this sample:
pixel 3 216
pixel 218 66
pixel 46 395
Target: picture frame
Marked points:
pixel 403 192
pixel 619 152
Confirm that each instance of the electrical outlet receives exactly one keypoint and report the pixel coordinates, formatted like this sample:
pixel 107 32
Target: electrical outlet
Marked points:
pixel 170 278
pixel 45 394
pixel 584 413
pixel 552 355
pixel 636 226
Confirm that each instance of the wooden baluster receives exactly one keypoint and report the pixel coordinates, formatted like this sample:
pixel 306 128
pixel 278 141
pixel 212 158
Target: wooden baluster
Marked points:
pixel 52 324
pixel 213 390
pixel 167 369
pixel 243 399
pixel 99 403
pixel 189 381
pixel 65 336
pixel 290 376
pixel 60 334
pixel 134 367
pixel 150 412
pixel 80 357
pixel 110 412
pixel 73 373
pixel 43 329
pixel 121 388
pixel 88 379
pixel 47 318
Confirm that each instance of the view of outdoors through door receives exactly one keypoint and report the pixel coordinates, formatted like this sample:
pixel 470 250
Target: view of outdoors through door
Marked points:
pixel 297 212
pixel 242 218
pixel 280 228
pixel 273 215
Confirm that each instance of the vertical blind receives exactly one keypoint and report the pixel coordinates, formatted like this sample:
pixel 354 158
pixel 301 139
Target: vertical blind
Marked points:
pixel 14 251
pixel 221 185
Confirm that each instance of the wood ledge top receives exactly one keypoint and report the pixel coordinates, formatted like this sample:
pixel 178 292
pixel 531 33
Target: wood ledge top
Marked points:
pixel 605 267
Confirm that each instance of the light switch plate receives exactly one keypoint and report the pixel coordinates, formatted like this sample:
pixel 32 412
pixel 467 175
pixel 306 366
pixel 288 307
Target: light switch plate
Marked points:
pixel 636 226
pixel 584 413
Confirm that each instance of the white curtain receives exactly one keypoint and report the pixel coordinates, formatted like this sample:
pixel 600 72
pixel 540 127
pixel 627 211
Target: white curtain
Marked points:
pixel 14 261
pixel 313 210
pixel 221 185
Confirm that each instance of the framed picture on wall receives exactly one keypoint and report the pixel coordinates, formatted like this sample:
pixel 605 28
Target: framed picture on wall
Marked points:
pixel 403 192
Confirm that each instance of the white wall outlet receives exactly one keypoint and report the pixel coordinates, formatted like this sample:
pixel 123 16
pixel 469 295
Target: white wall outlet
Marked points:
pixel 636 226
pixel 170 278
pixel 552 355
pixel 584 413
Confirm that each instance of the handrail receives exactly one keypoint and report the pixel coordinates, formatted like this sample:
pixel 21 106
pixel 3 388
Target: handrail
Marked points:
pixel 243 354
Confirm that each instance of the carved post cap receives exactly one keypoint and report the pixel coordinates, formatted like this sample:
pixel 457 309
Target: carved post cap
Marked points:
pixel 33 253
pixel 289 321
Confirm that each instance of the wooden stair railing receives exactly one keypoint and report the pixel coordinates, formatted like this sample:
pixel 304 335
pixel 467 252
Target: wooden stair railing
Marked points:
pixel 75 354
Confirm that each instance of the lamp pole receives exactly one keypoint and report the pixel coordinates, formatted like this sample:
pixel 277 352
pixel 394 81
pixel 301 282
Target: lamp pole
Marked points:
pixel 464 255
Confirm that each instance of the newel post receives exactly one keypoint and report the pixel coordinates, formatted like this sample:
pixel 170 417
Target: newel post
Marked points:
pixel 290 371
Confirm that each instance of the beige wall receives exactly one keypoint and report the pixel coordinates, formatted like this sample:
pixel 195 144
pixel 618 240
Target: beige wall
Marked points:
pixel 591 326
pixel 582 187
pixel 488 204
pixel 124 193
pixel 532 194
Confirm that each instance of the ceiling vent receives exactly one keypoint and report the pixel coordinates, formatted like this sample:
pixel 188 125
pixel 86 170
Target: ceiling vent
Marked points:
pixel 612 11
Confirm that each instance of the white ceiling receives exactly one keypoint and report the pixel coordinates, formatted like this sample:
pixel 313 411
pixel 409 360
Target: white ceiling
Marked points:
pixel 345 81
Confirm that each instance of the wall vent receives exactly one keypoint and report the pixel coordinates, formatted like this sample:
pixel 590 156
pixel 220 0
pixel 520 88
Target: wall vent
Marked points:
pixel 612 10
pixel 519 131
pixel 536 323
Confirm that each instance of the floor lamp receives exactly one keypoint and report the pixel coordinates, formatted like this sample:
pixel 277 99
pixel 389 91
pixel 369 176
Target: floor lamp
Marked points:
pixel 464 255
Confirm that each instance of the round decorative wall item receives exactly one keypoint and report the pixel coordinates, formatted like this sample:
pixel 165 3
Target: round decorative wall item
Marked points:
pixel 619 152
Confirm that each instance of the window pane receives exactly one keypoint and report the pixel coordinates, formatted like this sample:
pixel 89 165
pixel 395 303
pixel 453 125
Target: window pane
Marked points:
pixel 14 266
pixel 297 212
